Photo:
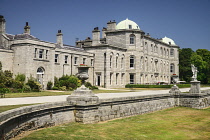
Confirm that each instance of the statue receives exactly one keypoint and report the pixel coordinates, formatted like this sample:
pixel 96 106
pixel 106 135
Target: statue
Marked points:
pixel 195 71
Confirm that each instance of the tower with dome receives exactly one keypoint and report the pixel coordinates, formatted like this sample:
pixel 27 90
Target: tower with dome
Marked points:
pixel 124 54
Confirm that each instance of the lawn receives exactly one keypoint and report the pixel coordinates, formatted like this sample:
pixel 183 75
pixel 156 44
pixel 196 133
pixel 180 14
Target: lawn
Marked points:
pixel 53 93
pixel 178 123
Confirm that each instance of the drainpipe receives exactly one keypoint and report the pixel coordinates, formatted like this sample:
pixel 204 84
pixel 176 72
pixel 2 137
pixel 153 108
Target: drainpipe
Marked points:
pixel 71 64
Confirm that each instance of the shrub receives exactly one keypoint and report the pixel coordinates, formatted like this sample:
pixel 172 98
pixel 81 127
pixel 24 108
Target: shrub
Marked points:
pixel 49 85
pixel 88 84
pixel 69 82
pixel 8 82
pixel 155 86
pixel 4 90
pixel 56 82
pixel 35 86
pixel 55 88
pixel 17 84
pixel 26 88
pixel 94 88
pixel 20 77
pixel 8 73
pixel 62 88
pixel 0 66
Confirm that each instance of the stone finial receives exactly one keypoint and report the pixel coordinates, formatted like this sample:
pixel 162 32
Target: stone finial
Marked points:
pixel 27 28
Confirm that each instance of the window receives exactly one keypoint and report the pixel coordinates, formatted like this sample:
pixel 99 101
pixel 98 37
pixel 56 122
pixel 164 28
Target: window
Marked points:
pixel 117 78
pixel 172 52
pixel 75 60
pixel 66 59
pixel 91 62
pixel 46 54
pixel 83 60
pixel 130 26
pixel 132 39
pixel 145 47
pixel 110 61
pixel 131 78
pixel 122 61
pixel 117 60
pixel 56 58
pixel 172 68
pixel 110 78
pixel 41 53
pixel 151 48
pixel 35 51
pixel 132 61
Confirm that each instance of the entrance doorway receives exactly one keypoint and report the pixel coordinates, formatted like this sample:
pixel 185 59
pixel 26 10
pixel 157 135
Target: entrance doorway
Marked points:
pixel 98 80
pixel 40 75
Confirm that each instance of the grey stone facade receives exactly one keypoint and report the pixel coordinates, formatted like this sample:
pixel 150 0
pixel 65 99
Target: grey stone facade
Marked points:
pixel 26 54
pixel 124 54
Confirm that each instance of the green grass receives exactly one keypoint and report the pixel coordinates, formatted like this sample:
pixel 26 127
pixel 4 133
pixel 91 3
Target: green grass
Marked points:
pixel 9 107
pixel 171 124
pixel 53 93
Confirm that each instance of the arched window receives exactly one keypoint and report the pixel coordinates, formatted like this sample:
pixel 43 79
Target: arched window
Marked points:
pixel 117 60
pixel 172 52
pixel 132 39
pixel 145 47
pixel 146 64
pixel 142 62
pixel 132 61
pixel 40 70
pixel 151 48
pixel 122 61
pixel 111 60
pixel 172 68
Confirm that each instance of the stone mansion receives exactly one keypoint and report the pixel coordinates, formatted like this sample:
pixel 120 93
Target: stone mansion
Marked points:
pixel 123 54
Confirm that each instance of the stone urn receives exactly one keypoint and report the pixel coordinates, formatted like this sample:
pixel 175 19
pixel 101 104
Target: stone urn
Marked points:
pixel 175 89
pixel 83 73
pixel 175 79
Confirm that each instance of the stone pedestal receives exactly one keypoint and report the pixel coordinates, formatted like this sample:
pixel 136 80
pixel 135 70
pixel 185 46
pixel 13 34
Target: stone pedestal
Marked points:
pixel 86 105
pixel 195 87
pixel 176 94
pixel 175 90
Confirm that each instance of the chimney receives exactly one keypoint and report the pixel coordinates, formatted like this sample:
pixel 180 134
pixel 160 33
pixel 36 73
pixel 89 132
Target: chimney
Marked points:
pixel 103 32
pixel 27 29
pixel 96 37
pixel 2 25
pixel 60 38
pixel 111 25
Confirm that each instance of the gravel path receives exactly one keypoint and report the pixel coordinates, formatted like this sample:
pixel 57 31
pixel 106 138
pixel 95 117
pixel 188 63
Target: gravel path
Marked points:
pixel 45 99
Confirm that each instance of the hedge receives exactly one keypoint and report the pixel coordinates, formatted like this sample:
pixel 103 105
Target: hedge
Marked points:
pixel 155 86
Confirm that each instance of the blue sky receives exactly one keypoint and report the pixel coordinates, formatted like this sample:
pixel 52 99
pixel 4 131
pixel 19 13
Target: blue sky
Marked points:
pixel 187 22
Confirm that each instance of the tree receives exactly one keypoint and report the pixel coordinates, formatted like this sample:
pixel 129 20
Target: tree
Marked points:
pixel 185 72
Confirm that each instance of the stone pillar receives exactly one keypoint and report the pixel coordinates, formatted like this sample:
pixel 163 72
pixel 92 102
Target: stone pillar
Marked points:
pixel 2 25
pixel 60 38
pixel 195 87
pixel 175 92
pixel 86 105
pixel 96 37
pixel 111 25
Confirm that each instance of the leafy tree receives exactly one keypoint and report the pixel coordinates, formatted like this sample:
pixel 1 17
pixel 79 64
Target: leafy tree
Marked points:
pixel 0 66
pixel 185 72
